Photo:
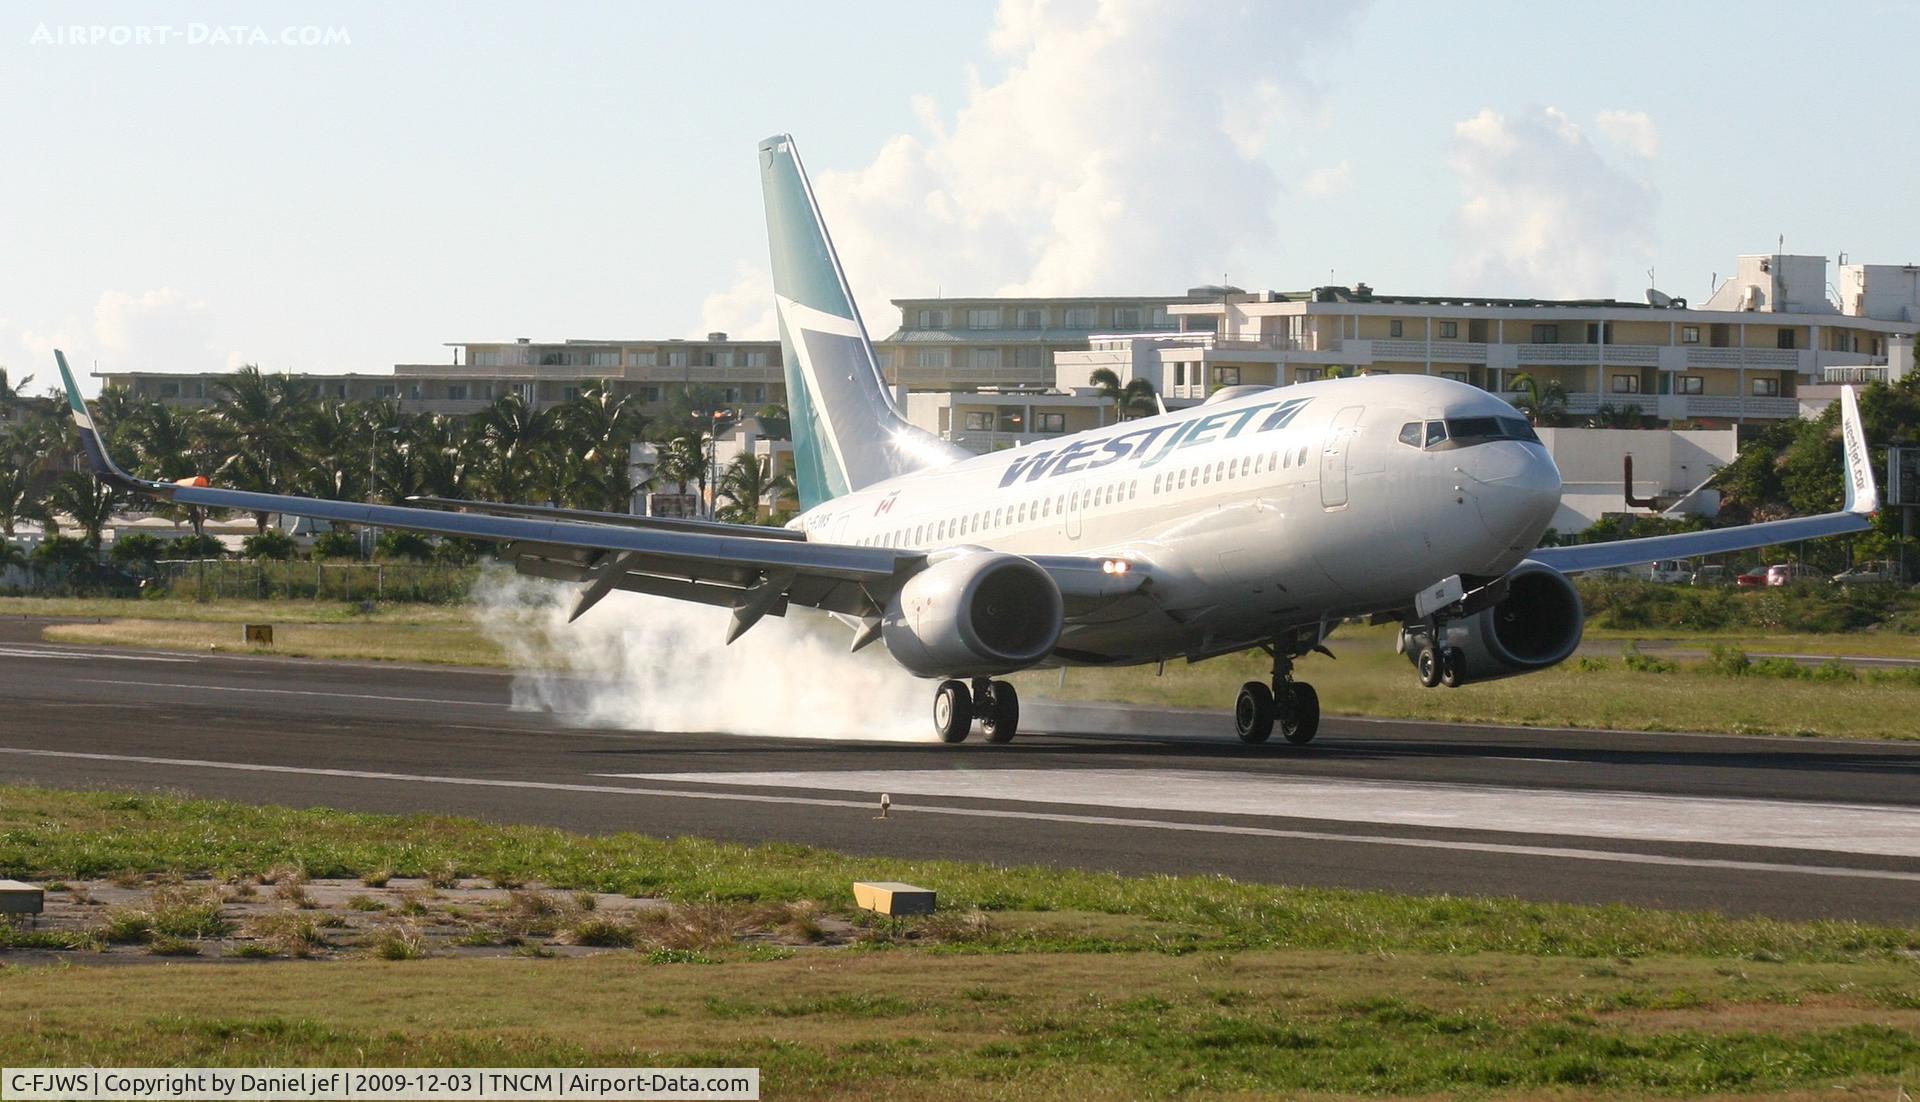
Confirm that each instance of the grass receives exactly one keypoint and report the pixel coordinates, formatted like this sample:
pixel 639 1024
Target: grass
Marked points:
pixel 1187 987
pixel 446 644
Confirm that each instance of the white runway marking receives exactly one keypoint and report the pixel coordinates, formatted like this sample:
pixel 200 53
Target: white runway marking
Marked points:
pixel 866 806
pixel 1776 824
pixel 37 652
pixel 301 692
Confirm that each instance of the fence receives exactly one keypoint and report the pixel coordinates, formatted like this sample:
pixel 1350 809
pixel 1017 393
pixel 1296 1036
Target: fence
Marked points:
pixel 206 579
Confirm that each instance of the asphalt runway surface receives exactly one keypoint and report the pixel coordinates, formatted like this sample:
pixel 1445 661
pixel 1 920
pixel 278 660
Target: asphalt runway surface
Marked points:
pixel 1789 828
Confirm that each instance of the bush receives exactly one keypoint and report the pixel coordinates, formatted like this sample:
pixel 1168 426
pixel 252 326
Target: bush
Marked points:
pixel 270 544
pixel 337 543
pixel 1642 663
pixel 66 551
pixel 404 545
pixel 137 549
pixel 197 547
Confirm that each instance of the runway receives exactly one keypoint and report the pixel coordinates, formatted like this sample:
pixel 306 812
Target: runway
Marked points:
pixel 1789 828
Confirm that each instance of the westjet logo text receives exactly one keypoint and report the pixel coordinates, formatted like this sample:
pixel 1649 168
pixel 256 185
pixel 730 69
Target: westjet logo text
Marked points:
pixel 1151 445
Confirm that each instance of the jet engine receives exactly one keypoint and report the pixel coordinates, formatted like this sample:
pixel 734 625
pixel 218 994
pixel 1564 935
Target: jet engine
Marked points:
pixel 1537 624
pixel 974 615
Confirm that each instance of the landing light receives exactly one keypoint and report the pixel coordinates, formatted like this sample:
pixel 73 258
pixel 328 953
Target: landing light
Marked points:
pixel 1115 566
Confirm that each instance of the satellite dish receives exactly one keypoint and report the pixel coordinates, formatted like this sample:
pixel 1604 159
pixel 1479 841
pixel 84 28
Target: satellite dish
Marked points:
pixel 1658 298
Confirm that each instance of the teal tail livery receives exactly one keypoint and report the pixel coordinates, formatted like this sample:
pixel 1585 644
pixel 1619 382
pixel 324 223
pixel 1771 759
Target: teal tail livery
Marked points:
pixel 847 432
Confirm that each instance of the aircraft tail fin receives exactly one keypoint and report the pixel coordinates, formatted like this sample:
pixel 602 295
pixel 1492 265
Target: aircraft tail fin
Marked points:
pixel 847 432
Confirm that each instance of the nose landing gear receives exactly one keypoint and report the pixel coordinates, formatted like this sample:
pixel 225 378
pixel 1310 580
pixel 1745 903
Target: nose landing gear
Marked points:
pixel 1436 663
pixel 994 703
pixel 1293 705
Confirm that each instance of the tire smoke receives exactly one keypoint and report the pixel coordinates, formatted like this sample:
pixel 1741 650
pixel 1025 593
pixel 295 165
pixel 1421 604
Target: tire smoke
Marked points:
pixel 649 663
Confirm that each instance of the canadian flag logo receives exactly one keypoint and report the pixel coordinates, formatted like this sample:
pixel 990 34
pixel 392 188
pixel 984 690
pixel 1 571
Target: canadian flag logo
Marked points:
pixel 886 504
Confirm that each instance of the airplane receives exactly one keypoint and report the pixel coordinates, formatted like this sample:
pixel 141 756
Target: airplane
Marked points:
pixel 1260 519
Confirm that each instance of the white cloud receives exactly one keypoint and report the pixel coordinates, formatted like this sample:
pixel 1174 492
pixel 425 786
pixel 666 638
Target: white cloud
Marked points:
pixel 1120 147
pixel 161 329
pixel 744 311
pixel 1331 180
pixel 1542 211
pixel 1631 130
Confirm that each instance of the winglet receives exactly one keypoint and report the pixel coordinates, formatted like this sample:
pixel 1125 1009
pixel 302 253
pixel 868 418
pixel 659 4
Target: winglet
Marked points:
pixel 90 439
pixel 1863 497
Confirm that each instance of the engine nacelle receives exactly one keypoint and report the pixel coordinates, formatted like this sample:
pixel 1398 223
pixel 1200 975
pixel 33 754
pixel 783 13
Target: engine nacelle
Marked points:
pixel 1538 624
pixel 974 615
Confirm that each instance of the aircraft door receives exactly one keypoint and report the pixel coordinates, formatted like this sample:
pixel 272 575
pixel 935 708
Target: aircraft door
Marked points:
pixel 1333 457
pixel 1076 506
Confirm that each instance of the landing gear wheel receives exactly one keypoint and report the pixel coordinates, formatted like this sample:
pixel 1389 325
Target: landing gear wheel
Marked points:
pixel 1450 668
pixel 1301 720
pixel 1253 713
pixel 999 709
pixel 952 711
pixel 1429 664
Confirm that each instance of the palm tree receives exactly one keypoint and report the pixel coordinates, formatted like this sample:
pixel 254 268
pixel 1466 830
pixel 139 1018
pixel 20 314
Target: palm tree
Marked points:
pixel 166 445
pixel 442 461
pixel 1134 398
pixel 603 423
pixel 13 392
pixel 504 434
pixel 747 481
pixel 18 498
pixel 255 429
pixel 1543 404
pixel 89 501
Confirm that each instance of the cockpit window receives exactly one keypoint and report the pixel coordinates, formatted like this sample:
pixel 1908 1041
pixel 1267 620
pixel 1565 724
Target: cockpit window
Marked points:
pixel 1436 433
pixel 1410 433
pixel 1467 431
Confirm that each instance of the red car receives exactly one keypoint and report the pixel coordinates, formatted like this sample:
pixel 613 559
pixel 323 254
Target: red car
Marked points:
pixel 1752 579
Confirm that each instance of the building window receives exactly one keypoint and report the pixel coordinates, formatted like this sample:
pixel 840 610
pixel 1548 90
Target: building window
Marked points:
pixel 456 392
pixel 1030 356
pixel 1783 339
pixel 569 393
pixel 1079 317
pixel 1162 319
pixel 1396 328
pixel 486 357
pixel 980 421
pixel 1032 319
pixel 169 390
pixel 1050 422
pixel 1308 374
pixel 649 394
pixel 677 358
pixel 1689 334
pixel 1012 421
pixel 984 359
pixel 1456 376
pixel 385 390
pixel 1546 334
pixel 1226 376
pixel 759 358
pixel 1690 384
pixel 930 357
pixel 983 319
pixel 1126 317
pixel 1599 332
pixel 932 319
pixel 1768 388
pixel 1626 384
pixel 1450 330
pixel 603 359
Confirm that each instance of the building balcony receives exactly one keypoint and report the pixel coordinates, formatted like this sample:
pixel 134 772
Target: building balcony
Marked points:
pixel 984 441
pixel 1859 374
pixel 1680 407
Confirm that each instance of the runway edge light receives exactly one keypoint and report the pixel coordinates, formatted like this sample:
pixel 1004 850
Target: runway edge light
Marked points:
pixel 892 898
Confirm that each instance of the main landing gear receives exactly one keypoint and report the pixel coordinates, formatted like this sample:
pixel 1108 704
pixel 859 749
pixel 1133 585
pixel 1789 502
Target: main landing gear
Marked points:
pixel 1294 705
pixel 1436 663
pixel 994 703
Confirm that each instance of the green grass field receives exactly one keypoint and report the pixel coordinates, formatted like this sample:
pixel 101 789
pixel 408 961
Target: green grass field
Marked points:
pixel 1189 987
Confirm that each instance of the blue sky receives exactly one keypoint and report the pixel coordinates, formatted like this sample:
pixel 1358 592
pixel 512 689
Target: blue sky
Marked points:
pixel 485 171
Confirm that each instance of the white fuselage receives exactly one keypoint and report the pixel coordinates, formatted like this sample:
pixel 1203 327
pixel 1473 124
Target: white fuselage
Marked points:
pixel 1278 511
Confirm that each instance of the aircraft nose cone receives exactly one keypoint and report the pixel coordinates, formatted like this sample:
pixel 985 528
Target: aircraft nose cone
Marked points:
pixel 1517 487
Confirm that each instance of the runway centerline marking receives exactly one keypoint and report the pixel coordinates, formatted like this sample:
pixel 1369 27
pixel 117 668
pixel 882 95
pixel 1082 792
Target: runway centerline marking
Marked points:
pixel 1628 816
pixel 1505 849
pixel 299 692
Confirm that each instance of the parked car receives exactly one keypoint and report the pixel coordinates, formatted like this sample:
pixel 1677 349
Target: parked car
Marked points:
pixel 1878 572
pixel 1671 571
pixel 1787 573
pixel 1752 579
pixel 1711 575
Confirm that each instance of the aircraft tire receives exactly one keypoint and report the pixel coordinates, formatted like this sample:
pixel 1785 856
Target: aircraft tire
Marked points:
pixel 1428 663
pixel 1303 719
pixel 952 711
pixel 1450 668
pixel 1253 713
pixel 999 712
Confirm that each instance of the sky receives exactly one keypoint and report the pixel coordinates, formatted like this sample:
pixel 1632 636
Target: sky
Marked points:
pixel 343 187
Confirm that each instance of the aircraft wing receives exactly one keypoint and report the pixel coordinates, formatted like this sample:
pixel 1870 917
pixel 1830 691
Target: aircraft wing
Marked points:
pixel 752 570
pixel 1863 500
